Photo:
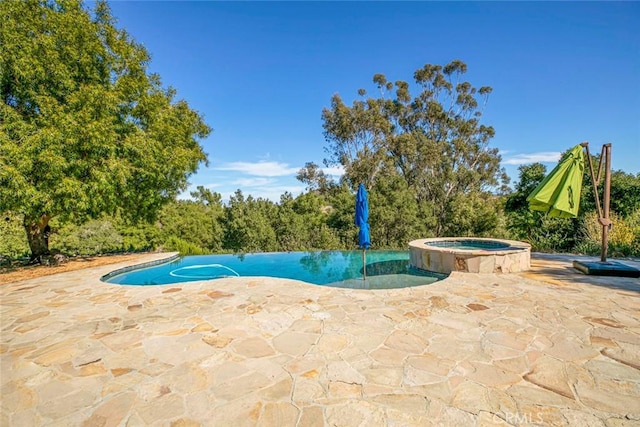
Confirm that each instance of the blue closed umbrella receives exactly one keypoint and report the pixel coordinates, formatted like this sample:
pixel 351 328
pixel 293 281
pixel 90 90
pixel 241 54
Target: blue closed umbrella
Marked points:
pixel 362 221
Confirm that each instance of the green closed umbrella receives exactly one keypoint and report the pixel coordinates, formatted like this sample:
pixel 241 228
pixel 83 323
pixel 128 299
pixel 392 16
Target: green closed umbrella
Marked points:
pixel 559 192
pixel 559 196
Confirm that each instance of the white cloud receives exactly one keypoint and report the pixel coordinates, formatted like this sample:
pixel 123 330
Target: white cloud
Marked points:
pixel 185 195
pixel 253 182
pixel 543 157
pixel 262 168
pixel 272 193
pixel 334 171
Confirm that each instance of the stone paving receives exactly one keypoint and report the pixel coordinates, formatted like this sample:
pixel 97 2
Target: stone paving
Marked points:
pixel 546 347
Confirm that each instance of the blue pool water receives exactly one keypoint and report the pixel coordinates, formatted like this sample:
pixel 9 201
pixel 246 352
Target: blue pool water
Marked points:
pixel 470 244
pixel 385 269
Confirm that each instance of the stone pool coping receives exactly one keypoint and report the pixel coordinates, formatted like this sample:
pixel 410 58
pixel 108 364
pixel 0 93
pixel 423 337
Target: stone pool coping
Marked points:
pixel 547 346
pixel 515 258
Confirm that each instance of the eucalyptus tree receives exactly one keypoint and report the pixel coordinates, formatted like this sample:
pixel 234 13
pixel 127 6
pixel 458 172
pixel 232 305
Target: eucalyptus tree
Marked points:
pixel 315 178
pixel 86 129
pixel 434 140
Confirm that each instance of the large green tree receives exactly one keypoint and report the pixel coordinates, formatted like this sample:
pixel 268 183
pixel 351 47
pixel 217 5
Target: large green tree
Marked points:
pixel 193 222
pixel 248 224
pixel 301 223
pixel 434 140
pixel 86 129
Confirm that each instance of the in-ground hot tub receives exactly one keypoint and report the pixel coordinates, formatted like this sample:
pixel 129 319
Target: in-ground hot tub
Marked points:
pixel 470 254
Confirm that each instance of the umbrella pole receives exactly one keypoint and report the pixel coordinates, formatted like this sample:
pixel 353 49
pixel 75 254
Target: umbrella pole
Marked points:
pixel 606 151
pixel 603 211
pixel 364 264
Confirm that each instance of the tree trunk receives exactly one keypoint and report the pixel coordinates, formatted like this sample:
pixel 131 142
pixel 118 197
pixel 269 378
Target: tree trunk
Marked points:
pixel 38 237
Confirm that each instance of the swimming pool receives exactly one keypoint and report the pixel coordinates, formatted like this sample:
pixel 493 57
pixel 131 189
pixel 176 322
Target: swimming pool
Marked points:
pixel 385 269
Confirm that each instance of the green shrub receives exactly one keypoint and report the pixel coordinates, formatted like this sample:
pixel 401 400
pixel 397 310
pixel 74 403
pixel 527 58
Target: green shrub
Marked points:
pixel 13 239
pixel 624 236
pixel 176 244
pixel 92 238
pixel 139 238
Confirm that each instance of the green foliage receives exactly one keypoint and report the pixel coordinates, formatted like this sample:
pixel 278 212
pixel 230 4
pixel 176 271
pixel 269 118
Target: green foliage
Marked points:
pixel 473 215
pixel 625 192
pixel 85 129
pixel 248 225
pixel 13 243
pixel 623 239
pixel 341 216
pixel 290 228
pixel 139 237
pixel 176 244
pixel 91 238
pixel 193 222
pixel 302 224
pixel 394 215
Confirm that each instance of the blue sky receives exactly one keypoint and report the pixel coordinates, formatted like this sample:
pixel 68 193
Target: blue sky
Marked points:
pixel 261 73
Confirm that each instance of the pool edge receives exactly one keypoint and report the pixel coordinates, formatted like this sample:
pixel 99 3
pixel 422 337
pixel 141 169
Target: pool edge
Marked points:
pixel 122 270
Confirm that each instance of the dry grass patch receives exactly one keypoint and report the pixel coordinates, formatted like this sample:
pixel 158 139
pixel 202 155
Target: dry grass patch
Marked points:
pixel 25 272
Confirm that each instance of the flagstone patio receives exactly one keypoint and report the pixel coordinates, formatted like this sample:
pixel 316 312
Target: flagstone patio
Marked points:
pixel 546 347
